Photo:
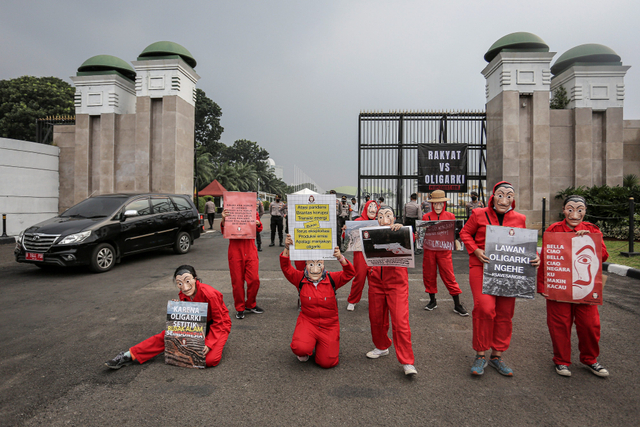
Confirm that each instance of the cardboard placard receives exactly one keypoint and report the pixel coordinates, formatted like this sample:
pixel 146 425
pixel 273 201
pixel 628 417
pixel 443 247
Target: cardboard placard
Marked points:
pixel 383 247
pixel 241 222
pixel 184 336
pixel 312 225
pixel 352 234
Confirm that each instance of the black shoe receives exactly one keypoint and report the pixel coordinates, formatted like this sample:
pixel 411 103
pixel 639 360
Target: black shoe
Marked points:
pixel 598 369
pixel 256 310
pixel 239 314
pixel 259 249
pixel 272 244
pixel 432 305
pixel 119 361
pixel 460 310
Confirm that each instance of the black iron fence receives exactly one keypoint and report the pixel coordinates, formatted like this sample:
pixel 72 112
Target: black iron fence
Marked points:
pixel 44 127
pixel 388 153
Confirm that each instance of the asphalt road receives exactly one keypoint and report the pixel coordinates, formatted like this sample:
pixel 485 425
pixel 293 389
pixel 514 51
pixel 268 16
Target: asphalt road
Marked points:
pixel 58 327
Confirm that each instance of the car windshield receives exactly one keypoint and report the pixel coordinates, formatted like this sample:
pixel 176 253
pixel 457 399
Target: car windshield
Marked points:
pixel 95 207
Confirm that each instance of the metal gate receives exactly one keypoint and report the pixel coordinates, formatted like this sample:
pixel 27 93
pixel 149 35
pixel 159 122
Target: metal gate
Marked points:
pixel 388 154
pixel 44 127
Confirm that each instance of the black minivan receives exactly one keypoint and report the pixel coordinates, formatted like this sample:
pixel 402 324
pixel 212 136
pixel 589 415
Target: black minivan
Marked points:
pixel 100 230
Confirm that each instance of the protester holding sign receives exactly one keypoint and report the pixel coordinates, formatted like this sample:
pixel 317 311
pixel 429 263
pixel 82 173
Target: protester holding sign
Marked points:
pixel 434 260
pixel 218 321
pixel 389 295
pixel 492 315
pixel 369 213
pixel 243 266
pixel 318 325
pixel 562 315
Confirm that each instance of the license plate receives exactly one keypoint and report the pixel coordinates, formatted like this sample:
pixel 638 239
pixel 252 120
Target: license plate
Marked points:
pixel 31 256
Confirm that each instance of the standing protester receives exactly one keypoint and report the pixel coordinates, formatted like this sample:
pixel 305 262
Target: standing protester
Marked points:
pixel 260 209
pixel 411 211
pixel 318 325
pixel 380 201
pixel 426 205
pixel 276 210
pixel 343 217
pixel 353 209
pixel 366 199
pixel 473 204
pixel 362 270
pixel 562 315
pixel 434 260
pixel 243 266
pixel 218 323
pixel 492 315
pixel 210 211
pixel 338 228
pixel 389 295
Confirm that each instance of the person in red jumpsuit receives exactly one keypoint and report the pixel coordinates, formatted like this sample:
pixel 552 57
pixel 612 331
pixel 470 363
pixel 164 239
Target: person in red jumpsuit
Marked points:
pixel 370 212
pixel 492 315
pixel 218 323
pixel 318 326
pixel 562 315
pixel 389 295
pixel 243 266
pixel 434 260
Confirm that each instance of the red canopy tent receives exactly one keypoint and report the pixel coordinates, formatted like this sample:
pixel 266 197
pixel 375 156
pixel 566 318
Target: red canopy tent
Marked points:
pixel 214 189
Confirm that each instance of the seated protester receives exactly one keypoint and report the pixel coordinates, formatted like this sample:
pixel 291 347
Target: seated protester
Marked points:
pixel 318 326
pixel 389 296
pixel 243 267
pixel 562 315
pixel 432 261
pixel 218 322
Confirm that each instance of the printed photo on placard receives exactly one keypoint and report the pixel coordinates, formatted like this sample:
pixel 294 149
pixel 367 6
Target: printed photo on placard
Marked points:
pixel 184 336
pixel 509 272
pixel 352 241
pixel 572 267
pixel 383 247
pixel 241 222
pixel 312 225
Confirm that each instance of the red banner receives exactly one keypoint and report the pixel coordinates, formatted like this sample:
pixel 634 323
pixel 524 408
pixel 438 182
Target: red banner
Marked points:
pixel 439 235
pixel 573 267
pixel 241 222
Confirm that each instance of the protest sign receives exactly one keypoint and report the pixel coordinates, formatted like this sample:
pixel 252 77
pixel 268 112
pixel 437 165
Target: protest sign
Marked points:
pixel 184 336
pixel 442 167
pixel 438 235
pixel 572 267
pixel 509 272
pixel 312 225
pixel 383 247
pixel 241 221
pixel 352 240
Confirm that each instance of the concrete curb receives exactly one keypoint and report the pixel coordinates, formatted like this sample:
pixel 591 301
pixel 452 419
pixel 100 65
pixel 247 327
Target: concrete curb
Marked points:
pixel 7 240
pixel 621 270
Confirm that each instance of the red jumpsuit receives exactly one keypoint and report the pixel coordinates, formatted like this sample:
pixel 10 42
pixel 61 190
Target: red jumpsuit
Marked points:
pixel 562 315
pixel 434 260
pixel 243 266
pixel 218 322
pixel 492 315
pixel 318 325
pixel 362 269
pixel 389 294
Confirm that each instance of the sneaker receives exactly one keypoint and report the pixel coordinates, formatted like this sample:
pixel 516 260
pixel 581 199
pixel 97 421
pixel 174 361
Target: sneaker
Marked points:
pixel 432 305
pixel 478 365
pixel 460 310
pixel 351 307
pixel 119 361
pixel 256 310
pixel 598 369
pixel 239 314
pixel 563 370
pixel 272 244
pixel 409 370
pixel 375 353
pixel 303 358
pixel 501 367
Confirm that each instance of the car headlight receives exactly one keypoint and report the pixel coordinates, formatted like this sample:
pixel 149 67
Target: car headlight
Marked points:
pixel 75 238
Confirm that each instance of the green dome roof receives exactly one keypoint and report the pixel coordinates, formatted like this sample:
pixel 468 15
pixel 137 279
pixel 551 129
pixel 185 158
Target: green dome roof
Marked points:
pixel 588 54
pixel 165 49
pixel 516 42
pixel 106 64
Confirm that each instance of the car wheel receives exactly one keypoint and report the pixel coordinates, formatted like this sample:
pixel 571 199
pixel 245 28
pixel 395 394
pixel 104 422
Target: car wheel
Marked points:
pixel 103 258
pixel 183 243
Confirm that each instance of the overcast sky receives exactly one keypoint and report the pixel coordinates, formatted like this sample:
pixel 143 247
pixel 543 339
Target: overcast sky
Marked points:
pixel 294 75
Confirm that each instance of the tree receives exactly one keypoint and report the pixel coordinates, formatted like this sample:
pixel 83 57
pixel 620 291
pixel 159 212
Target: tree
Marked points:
pixel 27 98
pixel 207 125
pixel 559 100
pixel 237 177
pixel 205 169
pixel 245 151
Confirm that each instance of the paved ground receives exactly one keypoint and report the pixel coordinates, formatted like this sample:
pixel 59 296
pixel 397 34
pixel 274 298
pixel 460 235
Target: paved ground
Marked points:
pixel 60 326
